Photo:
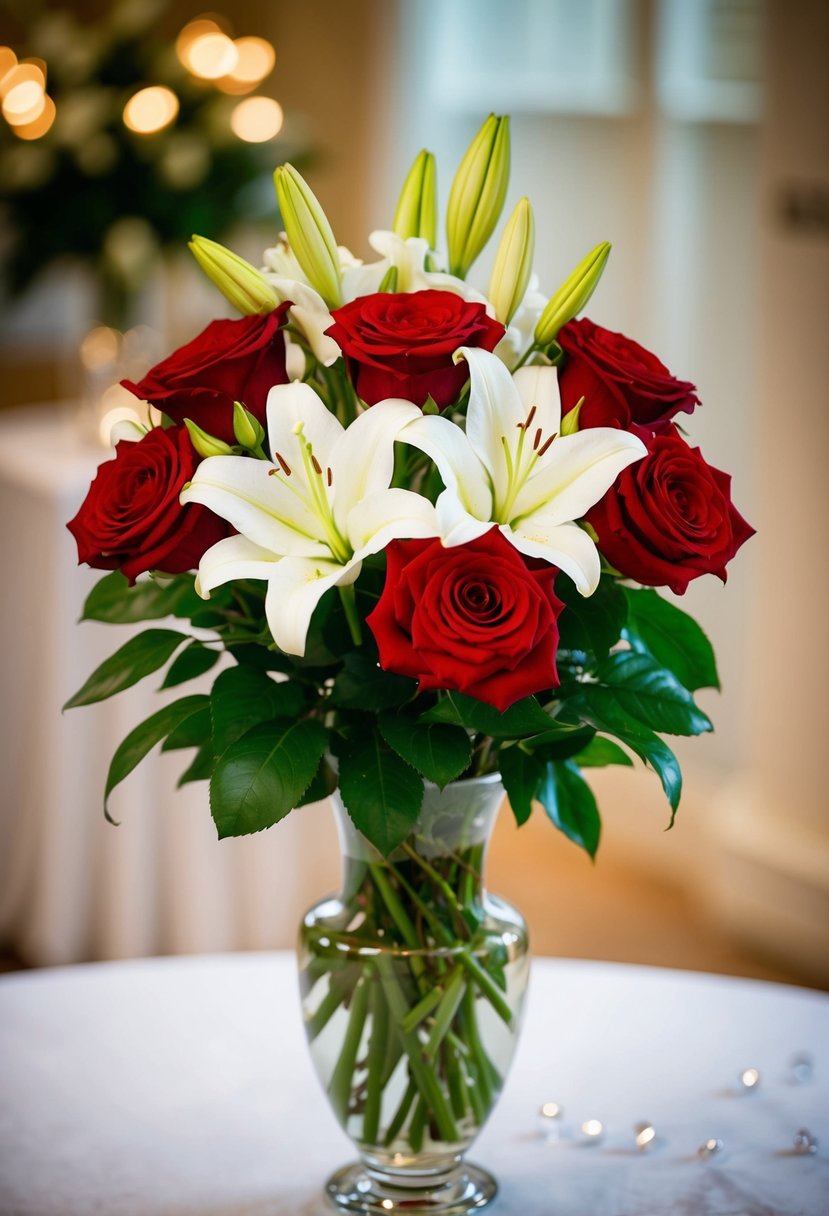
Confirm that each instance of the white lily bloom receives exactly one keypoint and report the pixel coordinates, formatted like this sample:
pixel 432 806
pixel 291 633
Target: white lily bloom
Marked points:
pixel 310 312
pixel 306 522
pixel 511 467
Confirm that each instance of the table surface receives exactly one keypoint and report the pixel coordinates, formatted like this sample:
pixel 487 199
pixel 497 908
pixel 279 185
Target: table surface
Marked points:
pixel 170 1087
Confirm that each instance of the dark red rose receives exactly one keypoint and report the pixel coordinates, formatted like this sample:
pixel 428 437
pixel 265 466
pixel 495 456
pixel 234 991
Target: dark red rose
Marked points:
pixel 229 361
pixel 131 519
pixel 669 518
pixel 475 619
pixel 401 344
pixel 621 382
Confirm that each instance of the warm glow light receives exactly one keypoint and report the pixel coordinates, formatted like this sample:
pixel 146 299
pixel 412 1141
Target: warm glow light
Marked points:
pixel 40 125
pixel 150 110
pixel 118 413
pixel 212 55
pixel 24 103
pixel 256 58
pixel 99 347
pixel 257 119
pixel 191 32
pixel 8 60
pixel 17 86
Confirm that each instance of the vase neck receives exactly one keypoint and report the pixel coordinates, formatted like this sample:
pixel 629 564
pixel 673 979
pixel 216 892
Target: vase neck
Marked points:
pixel 454 823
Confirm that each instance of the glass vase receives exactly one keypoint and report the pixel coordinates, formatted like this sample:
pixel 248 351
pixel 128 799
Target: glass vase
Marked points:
pixel 413 982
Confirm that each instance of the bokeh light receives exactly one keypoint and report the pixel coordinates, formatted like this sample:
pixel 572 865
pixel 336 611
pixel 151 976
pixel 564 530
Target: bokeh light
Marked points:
pixel 151 109
pixel 211 55
pixel 40 125
pixel 257 119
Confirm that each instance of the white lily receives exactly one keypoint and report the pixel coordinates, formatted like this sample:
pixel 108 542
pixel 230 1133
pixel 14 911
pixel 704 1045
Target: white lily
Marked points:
pixel 306 522
pixel 511 467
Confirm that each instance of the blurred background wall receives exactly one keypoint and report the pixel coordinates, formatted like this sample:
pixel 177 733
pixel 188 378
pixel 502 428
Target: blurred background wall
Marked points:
pixel 693 134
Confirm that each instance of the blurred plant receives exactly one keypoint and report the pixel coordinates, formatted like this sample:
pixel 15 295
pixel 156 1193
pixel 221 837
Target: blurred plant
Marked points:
pixel 119 142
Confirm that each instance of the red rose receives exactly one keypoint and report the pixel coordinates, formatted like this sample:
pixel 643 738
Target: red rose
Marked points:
pixel 229 361
pixel 401 345
pixel 474 618
pixel 621 382
pixel 131 519
pixel 669 517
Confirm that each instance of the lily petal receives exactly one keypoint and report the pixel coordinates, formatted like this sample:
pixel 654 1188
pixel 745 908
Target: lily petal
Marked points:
pixel 538 386
pixel 457 525
pixel 494 414
pixel 295 587
pixel 293 406
pixel 232 558
pixel 389 515
pixel 363 462
pixel 564 545
pixel 461 470
pixel 576 471
pixel 265 509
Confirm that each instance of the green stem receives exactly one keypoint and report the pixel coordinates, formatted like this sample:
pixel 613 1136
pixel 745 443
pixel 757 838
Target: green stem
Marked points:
pixel 528 353
pixel 342 1078
pixel 400 1114
pixel 446 1011
pixel 422 1009
pixel 422 1074
pixel 439 881
pixel 417 1127
pixel 348 599
pixel 376 1063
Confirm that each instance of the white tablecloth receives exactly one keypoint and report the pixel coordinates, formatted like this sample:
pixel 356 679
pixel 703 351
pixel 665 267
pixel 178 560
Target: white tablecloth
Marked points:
pixel 71 886
pixel 182 1086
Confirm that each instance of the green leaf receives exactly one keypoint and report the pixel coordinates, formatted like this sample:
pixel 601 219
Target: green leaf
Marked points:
pixel 522 774
pixel 569 802
pixel 263 775
pixel 525 717
pixel 591 623
pixel 242 697
pixel 137 658
pixel 114 601
pixel 144 737
pixel 674 639
pixel 561 741
pixel 381 793
pixel 631 685
pixel 195 732
pixel 441 753
pixel 363 685
pixel 321 786
pixel 600 752
pixel 193 661
pixel 201 768
pixel 647 746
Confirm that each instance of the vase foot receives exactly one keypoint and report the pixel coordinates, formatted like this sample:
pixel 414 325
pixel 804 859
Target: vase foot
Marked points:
pixel 354 1189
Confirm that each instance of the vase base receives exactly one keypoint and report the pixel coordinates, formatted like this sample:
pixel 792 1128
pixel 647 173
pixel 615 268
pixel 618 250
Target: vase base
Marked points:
pixel 354 1189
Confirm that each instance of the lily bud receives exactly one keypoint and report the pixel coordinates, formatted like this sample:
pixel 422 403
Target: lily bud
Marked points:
pixel 573 294
pixel 513 263
pixel 247 429
pixel 570 421
pixel 206 445
pixel 417 207
pixel 476 198
pixel 388 283
pixel 239 282
pixel 309 233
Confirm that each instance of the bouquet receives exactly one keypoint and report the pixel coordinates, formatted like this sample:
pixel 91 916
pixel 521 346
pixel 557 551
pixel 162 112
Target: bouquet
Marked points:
pixel 418 529
pixel 427 524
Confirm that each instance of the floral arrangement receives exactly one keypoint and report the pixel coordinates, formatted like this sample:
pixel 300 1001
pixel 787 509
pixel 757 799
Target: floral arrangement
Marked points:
pixel 427 524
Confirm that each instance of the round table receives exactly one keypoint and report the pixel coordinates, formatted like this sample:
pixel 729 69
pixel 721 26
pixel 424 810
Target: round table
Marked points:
pixel 170 1087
